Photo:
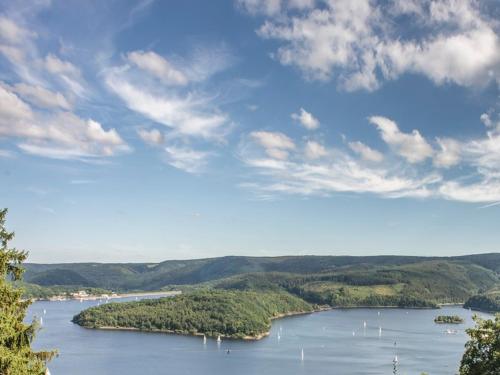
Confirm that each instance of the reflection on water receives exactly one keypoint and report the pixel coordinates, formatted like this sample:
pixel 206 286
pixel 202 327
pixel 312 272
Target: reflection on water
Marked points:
pixel 330 342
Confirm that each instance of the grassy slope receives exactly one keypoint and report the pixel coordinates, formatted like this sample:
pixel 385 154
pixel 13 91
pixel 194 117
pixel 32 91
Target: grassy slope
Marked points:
pixel 234 314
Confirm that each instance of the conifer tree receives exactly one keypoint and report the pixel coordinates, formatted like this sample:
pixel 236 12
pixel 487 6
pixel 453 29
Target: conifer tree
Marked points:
pixel 16 355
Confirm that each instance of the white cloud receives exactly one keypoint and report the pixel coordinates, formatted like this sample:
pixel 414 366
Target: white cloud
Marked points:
pixel 13 109
pixel 55 65
pixel 12 33
pixel 485 152
pixel 307 120
pixel 413 147
pixel 66 72
pixel 340 173
pixel 41 97
pixel 449 154
pixel 272 7
pixel 366 152
pixel 474 166
pixel 480 192
pixel 186 159
pixel 486 120
pixel 467 59
pixel 360 43
pixel 186 115
pixel 152 137
pixel 60 135
pixel 275 144
pixel 158 66
pixel 314 150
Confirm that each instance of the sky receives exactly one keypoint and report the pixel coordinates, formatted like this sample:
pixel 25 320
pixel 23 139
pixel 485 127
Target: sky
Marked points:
pixel 141 131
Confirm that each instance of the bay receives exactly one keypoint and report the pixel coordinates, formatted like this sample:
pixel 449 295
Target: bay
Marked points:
pixel 333 342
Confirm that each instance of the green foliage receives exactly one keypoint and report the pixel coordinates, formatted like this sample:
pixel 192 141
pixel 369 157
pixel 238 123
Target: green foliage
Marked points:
pixel 234 314
pixel 482 351
pixel 448 319
pixel 337 281
pixel 485 302
pixel 16 356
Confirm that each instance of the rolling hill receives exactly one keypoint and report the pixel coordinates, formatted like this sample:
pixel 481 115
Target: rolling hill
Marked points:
pixel 332 280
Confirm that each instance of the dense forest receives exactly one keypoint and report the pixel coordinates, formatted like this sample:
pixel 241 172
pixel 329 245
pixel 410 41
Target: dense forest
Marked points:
pixel 485 302
pixel 233 314
pixel 324 280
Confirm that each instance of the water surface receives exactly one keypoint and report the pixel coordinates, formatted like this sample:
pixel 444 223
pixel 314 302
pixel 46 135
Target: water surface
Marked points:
pixel 334 342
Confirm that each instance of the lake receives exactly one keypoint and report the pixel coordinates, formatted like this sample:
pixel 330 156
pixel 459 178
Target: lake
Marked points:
pixel 333 342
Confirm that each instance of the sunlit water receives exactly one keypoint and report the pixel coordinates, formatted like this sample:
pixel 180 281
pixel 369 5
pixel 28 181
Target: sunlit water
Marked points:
pixel 334 342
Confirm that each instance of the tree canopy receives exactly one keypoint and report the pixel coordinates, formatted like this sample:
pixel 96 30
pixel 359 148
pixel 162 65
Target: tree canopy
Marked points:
pixel 16 355
pixel 482 351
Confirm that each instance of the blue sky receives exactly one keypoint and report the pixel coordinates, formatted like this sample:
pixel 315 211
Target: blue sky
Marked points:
pixel 152 130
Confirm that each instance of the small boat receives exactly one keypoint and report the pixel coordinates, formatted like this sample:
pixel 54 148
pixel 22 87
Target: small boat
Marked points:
pixel 228 351
pixel 302 354
pixel 204 339
pixel 379 331
pixel 364 324
pixel 279 337
pixel 41 321
pixel 44 311
pixel 218 339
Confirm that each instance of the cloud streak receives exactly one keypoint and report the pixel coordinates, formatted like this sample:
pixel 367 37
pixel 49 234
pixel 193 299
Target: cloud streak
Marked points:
pixel 404 170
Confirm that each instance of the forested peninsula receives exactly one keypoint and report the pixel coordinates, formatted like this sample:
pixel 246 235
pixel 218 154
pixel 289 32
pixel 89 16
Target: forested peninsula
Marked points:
pixel 214 313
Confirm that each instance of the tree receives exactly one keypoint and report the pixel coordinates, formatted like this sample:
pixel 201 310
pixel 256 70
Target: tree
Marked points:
pixel 16 355
pixel 482 351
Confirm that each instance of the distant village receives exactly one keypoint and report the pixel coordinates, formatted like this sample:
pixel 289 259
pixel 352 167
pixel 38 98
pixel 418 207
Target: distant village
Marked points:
pixel 82 295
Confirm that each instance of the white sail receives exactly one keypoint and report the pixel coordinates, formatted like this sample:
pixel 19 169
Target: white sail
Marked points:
pixel 302 354
pixel 218 339
pixel 379 331
pixel 364 324
pixel 204 339
pixel 44 311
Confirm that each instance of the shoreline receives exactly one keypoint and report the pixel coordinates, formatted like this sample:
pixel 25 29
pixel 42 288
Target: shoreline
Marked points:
pixel 109 297
pixel 199 334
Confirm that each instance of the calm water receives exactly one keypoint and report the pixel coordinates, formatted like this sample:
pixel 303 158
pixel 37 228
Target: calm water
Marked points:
pixel 326 338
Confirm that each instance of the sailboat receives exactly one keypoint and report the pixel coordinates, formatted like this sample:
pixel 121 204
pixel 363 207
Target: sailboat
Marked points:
pixel 364 324
pixel 204 340
pixel 302 354
pixel 379 331
pixel 218 339
pixel 44 311
pixel 41 321
pixel 279 337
